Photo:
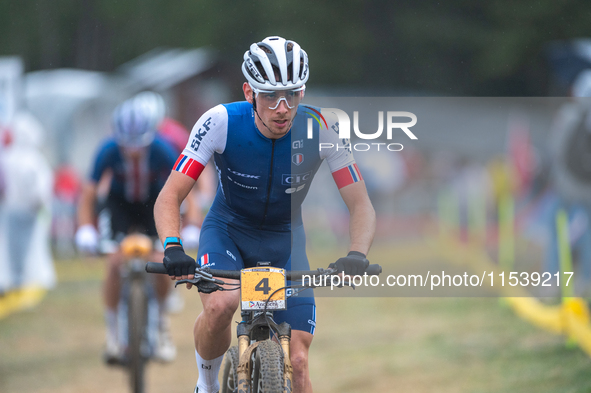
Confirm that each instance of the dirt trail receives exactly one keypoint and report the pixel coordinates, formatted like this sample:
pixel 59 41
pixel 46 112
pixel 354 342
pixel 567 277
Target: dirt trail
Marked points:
pixel 361 344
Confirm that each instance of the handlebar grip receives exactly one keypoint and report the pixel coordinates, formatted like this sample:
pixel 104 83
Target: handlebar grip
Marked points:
pixel 155 267
pixel 373 270
pixel 233 275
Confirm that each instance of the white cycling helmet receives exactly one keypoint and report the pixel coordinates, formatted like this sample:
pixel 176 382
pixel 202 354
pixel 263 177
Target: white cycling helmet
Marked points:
pixel 133 125
pixel 275 54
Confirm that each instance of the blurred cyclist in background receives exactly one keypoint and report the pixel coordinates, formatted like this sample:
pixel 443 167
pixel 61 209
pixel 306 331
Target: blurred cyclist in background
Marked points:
pixel 202 194
pixel 204 191
pixel 132 167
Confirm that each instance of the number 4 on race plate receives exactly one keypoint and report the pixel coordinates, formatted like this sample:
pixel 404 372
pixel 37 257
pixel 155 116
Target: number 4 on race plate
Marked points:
pixel 257 284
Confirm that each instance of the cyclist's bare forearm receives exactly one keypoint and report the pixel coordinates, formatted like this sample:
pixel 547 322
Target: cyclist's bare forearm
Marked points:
pixel 362 225
pixel 192 215
pixel 167 207
pixel 86 204
pixel 362 222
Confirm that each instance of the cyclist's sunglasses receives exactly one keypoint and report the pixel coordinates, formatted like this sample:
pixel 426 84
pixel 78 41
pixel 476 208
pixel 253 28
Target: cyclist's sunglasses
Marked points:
pixel 271 99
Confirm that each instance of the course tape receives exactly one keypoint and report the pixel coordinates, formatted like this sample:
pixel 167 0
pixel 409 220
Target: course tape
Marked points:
pixel 20 299
pixel 570 319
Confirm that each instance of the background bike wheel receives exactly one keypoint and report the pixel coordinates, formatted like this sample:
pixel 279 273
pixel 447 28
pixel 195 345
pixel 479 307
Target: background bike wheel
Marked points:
pixel 137 317
pixel 230 376
pixel 268 368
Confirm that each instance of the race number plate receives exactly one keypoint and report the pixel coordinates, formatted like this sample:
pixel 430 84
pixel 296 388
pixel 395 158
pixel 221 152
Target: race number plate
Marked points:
pixel 257 284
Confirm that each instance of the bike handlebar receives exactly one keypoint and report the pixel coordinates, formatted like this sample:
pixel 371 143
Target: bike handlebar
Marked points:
pixel 155 267
pixel 373 270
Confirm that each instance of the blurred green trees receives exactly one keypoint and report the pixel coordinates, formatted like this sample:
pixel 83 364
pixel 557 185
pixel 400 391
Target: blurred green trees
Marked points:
pixel 447 47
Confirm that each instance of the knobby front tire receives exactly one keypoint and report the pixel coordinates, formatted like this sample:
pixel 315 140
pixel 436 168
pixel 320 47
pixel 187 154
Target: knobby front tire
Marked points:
pixel 137 322
pixel 268 368
pixel 230 375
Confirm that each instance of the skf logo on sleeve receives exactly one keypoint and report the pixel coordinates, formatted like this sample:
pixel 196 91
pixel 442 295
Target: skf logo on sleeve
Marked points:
pixel 201 132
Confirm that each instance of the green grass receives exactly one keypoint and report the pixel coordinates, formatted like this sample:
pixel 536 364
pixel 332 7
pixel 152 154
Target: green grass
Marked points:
pixel 361 345
pixel 439 345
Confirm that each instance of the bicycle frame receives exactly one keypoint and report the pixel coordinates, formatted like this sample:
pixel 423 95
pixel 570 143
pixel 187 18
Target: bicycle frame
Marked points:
pixel 138 309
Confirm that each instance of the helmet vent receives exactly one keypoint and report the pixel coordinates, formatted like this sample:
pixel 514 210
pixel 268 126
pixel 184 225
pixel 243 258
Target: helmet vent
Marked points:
pixel 275 64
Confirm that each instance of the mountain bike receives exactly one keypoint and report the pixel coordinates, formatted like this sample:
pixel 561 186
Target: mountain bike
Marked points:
pixel 260 363
pixel 138 311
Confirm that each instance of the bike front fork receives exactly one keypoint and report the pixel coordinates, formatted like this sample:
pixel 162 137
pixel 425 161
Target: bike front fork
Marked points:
pixel 246 347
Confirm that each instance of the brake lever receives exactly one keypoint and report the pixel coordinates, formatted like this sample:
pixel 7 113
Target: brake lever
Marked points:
pixel 207 276
pixel 203 285
pixel 198 277
pixel 193 281
pixel 203 272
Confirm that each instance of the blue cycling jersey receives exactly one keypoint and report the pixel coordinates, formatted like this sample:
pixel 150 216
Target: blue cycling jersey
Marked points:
pixel 257 173
pixel 262 181
pixel 139 179
pixel 256 214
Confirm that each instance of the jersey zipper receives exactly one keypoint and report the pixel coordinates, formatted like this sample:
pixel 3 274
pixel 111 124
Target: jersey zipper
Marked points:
pixel 270 183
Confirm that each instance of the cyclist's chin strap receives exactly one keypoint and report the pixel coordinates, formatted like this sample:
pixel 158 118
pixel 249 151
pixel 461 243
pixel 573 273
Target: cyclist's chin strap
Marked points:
pixel 254 106
pixel 255 111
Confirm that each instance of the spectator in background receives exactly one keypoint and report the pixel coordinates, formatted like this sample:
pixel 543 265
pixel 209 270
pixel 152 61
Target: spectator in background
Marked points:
pixel 3 142
pixel 66 192
pixel 4 264
pixel 26 207
pixel 384 175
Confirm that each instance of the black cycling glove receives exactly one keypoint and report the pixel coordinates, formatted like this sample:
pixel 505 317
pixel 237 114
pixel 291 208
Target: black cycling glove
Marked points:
pixel 353 264
pixel 178 263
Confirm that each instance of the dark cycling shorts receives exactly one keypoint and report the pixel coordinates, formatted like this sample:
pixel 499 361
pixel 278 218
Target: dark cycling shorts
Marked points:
pixel 233 247
pixel 118 217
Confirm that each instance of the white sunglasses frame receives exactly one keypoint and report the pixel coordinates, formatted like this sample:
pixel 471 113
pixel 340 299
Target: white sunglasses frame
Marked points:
pixel 257 91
